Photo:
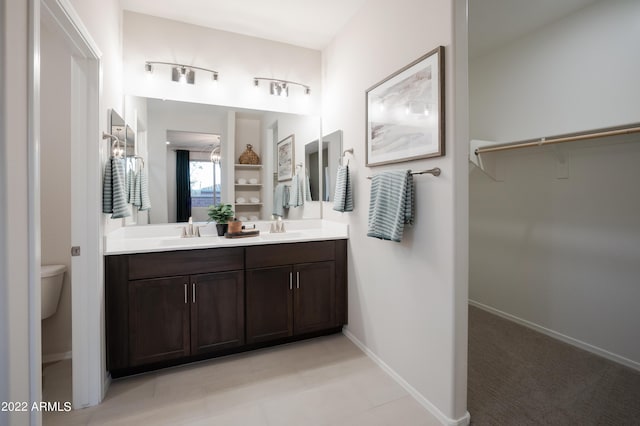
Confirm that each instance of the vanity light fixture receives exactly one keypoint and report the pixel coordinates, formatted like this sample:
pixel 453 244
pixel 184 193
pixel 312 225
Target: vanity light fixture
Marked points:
pixel 180 72
pixel 280 87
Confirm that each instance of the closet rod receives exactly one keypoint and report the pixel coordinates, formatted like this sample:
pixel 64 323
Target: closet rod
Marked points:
pixel 435 171
pixel 603 133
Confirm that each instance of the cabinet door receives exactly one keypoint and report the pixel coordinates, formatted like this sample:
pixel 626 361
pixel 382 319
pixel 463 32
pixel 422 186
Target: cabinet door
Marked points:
pixel 269 303
pixel 158 320
pixel 217 311
pixel 314 297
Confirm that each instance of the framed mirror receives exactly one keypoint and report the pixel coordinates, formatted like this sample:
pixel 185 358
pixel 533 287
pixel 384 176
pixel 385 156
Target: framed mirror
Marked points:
pixel 323 165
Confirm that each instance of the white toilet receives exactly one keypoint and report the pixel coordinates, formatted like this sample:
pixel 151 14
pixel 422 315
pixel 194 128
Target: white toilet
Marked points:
pixel 51 279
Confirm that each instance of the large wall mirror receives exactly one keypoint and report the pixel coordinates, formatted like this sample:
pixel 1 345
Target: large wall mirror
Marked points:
pixel 212 138
pixel 323 165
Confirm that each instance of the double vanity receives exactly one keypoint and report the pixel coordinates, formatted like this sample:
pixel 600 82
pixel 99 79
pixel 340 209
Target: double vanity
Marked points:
pixel 172 300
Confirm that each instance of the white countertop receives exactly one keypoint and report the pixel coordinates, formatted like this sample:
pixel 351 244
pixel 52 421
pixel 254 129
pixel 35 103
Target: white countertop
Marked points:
pixel 155 238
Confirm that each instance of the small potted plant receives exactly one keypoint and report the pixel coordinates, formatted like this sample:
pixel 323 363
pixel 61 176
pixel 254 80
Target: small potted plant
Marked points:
pixel 221 214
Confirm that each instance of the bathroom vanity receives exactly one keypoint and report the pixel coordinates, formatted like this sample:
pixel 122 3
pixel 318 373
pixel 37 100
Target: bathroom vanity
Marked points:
pixel 168 307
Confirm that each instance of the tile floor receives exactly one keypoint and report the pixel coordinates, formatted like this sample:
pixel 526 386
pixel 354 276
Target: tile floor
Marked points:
pixel 323 381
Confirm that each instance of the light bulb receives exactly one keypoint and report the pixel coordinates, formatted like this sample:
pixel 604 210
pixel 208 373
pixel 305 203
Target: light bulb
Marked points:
pixel 183 75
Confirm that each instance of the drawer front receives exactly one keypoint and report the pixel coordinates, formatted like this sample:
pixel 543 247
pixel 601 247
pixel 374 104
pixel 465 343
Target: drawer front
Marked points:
pixel 185 262
pixel 289 253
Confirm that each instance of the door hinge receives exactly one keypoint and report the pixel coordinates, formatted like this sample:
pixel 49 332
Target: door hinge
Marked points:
pixel 75 251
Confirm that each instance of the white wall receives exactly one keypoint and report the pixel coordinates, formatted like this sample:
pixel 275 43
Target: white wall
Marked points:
pixel 562 253
pixel 55 184
pixel 406 301
pixel 4 321
pixel 104 21
pixel 236 57
pixel 567 77
pixel 14 305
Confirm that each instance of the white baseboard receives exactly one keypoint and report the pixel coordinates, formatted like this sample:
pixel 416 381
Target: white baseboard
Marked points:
pixel 559 336
pixel 46 359
pixel 445 420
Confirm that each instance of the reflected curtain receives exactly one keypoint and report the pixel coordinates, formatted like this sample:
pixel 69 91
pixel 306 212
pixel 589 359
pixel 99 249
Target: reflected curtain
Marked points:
pixel 183 186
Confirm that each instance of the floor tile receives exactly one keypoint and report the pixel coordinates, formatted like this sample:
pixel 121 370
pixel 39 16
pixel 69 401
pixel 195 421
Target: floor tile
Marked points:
pixel 325 381
pixel 405 411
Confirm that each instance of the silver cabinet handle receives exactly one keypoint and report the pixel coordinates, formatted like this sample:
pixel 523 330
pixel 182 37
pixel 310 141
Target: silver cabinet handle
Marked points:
pixel 298 279
pixel 193 287
pixel 290 280
pixel 185 293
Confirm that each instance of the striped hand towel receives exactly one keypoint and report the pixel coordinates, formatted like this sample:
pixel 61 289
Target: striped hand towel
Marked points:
pixel 136 200
pixel 114 199
pixel 297 191
pixel 143 178
pixel 280 201
pixel 343 198
pixel 131 186
pixel 391 206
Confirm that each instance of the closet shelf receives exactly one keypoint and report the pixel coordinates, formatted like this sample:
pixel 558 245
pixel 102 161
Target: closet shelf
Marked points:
pixel 248 185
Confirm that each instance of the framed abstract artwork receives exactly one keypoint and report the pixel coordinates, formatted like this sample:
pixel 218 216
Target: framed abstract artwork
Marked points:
pixel 405 113
pixel 286 158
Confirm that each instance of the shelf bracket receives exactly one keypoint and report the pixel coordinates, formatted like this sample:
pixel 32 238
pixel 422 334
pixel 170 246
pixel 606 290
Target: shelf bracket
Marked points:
pixel 489 164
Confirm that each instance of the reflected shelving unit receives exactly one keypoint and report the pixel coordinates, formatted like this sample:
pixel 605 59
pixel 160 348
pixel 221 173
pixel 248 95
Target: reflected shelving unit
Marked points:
pixel 248 190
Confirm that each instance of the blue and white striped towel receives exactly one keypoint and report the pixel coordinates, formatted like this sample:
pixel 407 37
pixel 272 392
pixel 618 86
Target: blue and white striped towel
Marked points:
pixel 140 191
pixel 392 204
pixel 135 198
pixel 131 186
pixel 297 191
pixel 280 199
pixel 343 197
pixel 143 178
pixel 114 198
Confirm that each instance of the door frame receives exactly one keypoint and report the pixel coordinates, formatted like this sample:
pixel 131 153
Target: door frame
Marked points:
pixel 88 365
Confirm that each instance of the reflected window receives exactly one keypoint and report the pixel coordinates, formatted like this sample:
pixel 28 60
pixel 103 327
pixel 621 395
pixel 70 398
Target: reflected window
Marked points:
pixel 204 183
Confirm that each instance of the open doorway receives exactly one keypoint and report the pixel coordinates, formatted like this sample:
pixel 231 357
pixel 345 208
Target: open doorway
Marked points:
pixel 65 182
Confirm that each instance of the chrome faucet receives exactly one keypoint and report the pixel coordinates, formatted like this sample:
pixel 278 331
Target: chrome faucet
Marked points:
pixel 190 231
pixel 277 226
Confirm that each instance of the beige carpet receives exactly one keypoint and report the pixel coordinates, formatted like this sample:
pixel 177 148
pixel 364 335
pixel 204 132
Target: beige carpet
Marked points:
pixel 520 377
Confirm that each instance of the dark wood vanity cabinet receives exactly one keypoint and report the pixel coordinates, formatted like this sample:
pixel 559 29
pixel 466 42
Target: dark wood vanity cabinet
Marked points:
pixel 153 302
pixel 217 311
pixel 269 304
pixel 187 315
pixel 294 289
pixel 289 300
pixel 172 307
pixel 314 296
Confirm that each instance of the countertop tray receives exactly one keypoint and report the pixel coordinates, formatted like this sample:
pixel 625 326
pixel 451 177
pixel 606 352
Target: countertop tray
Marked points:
pixel 243 234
